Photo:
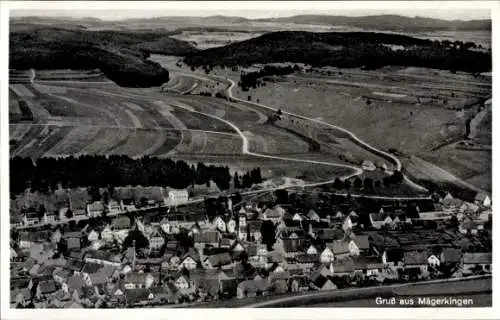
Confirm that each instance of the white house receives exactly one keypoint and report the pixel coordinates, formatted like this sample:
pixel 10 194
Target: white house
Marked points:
pixel 95 209
pixel 326 256
pixel 231 226
pixel 114 207
pixel 220 224
pixel 107 234
pixel 433 261
pixel 188 262
pixel 347 225
pixel 176 197
pixel 312 250
pixel 93 236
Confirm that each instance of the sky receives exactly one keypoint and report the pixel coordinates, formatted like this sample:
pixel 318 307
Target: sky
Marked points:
pixel 464 10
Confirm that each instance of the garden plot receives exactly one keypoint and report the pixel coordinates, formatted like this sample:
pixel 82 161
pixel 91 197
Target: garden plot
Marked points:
pixel 198 142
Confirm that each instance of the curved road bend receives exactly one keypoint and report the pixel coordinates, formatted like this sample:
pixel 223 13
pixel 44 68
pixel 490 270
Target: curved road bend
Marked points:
pixel 399 165
pixel 396 160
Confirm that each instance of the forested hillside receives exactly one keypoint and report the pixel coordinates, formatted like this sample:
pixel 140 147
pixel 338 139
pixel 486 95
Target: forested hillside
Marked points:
pixel 346 50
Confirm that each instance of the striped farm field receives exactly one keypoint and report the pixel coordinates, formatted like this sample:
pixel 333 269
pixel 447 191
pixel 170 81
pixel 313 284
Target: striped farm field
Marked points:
pixel 38 141
pixel 198 121
pixel 199 142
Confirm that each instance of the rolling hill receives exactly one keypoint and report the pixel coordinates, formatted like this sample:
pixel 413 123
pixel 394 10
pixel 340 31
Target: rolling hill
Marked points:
pixel 387 22
pixel 121 56
pixel 345 50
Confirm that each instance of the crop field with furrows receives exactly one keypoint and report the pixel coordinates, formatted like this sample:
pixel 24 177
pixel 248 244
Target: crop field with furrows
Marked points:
pixel 469 165
pixel 199 142
pixel 37 140
pixel 271 168
pixel 233 112
pixel 71 75
pixel 181 84
pixel 198 121
pixel 14 108
pixel 340 100
pixel 268 139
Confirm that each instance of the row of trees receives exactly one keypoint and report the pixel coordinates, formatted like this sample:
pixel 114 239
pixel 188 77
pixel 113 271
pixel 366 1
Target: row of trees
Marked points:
pixel 46 173
pixel 251 177
pixel 368 183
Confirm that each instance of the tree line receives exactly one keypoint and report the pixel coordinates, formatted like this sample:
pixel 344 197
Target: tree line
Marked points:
pixel 46 173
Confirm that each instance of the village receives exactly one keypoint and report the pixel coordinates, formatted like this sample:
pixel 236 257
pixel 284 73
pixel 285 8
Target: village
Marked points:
pixel 228 248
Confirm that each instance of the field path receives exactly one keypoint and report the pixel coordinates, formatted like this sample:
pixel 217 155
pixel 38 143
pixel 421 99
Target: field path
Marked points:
pixel 399 165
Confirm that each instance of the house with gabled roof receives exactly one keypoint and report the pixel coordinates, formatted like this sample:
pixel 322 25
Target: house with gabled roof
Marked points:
pixel 190 260
pixel 207 237
pixel 483 199
pixel 219 260
pixel 450 256
pixel 156 240
pixel 416 260
pixel 312 215
pixel 360 245
pixel 95 209
pixel 102 257
pixel 254 230
pixel 219 224
pixel 340 249
pixel 476 262
pixel 45 288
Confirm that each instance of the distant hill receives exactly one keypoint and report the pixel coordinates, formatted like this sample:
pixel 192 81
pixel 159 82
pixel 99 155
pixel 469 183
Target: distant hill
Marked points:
pixel 121 56
pixel 387 22
pixel 345 50
pixel 395 23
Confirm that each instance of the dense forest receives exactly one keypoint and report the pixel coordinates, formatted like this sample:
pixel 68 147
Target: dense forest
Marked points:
pixel 121 56
pixel 345 50
pixel 117 170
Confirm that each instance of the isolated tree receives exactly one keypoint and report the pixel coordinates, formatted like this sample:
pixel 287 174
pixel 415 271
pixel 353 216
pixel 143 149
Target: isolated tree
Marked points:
pixel 357 183
pixel 282 196
pixel 41 211
pixel 347 184
pixel 69 213
pixel 338 184
pixel 368 184
pixel 140 240
pixel 236 181
pixel 268 232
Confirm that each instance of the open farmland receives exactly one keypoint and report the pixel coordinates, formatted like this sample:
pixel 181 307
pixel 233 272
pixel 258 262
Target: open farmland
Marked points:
pixel 271 168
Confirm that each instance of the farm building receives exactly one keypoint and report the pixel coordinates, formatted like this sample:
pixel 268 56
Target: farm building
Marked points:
pixel 368 165
pixel 176 197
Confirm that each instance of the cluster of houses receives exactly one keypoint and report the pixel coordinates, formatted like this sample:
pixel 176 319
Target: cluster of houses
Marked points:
pixel 230 256
pixel 31 216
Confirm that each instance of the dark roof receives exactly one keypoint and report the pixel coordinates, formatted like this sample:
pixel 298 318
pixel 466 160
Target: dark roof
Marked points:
pixel 254 225
pixel 339 247
pixel 307 258
pixel 293 245
pixel 100 255
pixel 90 267
pixel 72 234
pixel 451 255
pixel 73 243
pixel 220 259
pixel 46 287
pixel 255 286
pixel 122 222
pixel 362 242
pixel 209 236
pixel 415 257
